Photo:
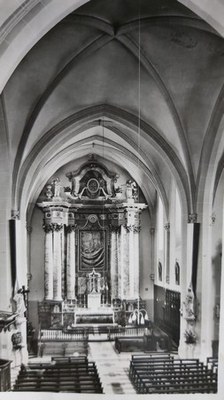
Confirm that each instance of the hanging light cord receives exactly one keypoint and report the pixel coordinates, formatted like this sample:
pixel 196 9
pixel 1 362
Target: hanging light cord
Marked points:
pixel 139 85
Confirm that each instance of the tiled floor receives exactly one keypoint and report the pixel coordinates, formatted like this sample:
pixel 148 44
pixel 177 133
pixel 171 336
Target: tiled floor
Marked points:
pixel 112 368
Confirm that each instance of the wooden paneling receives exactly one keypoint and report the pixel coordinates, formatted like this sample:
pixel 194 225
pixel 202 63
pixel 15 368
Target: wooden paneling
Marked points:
pixel 167 311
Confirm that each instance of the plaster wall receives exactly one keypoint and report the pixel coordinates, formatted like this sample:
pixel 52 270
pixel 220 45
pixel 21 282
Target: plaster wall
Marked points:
pixel 5 215
pixel 175 237
pixel 216 253
pixel 146 284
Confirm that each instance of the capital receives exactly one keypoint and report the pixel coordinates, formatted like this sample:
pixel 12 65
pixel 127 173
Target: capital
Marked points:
pixel 192 218
pixel 29 229
pixel 71 228
pixel 213 218
pixel 47 228
pixel 167 226
pixel 133 228
pixel 57 227
pixel 114 228
pixel 52 227
pixel 15 214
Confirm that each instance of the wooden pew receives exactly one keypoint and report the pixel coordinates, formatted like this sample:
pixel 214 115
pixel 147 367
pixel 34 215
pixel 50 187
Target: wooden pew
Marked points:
pixel 129 343
pixel 168 375
pixel 64 374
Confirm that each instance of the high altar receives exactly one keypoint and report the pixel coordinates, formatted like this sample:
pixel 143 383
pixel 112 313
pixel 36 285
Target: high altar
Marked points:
pixel 91 232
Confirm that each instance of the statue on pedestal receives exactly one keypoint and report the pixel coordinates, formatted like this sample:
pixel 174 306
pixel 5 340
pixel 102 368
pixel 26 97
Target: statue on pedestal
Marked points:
pixel 94 282
pixel 190 305
pixel 131 190
pixel 20 304
pixel 56 187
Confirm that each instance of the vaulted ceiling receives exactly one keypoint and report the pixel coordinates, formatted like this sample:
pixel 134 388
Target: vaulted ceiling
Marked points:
pixel 139 81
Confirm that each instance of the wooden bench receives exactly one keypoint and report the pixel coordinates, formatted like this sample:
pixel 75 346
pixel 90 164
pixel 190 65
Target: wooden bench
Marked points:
pixel 129 343
pixel 59 348
pixel 70 359
pixel 146 383
pixel 64 374
pixel 169 375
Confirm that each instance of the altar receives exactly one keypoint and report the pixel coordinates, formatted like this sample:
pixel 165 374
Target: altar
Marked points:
pixel 102 315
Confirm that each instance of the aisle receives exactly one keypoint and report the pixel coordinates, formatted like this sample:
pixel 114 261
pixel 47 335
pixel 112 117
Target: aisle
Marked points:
pixel 112 368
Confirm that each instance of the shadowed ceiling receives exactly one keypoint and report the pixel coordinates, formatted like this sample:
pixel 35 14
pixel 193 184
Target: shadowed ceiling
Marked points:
pixel 141 79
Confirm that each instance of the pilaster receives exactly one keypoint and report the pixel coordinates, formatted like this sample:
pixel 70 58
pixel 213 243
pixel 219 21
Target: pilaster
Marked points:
pixel 57 289
pixel 71 262
pixel 167 251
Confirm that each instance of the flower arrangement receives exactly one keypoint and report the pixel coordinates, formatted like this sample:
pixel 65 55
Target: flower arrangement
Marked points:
pixel 190 337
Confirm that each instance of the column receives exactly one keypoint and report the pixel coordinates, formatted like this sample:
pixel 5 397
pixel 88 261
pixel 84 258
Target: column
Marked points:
pixel 136 262
pixel 48 262
pixel 152 234
pixel 63 262
pixel 132 265
pixel 189 301
pixel 121 262
pixel 117 260
pixel 29 275
pixel 57 262
pixel 208 316
pixel 113 262
pixel 71 264
pixel 167 251
pixel 221 321
pixel 133 229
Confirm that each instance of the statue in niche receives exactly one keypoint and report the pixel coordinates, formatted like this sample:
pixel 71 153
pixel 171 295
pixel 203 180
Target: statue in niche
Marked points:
pixel 131 190
pixel 49 193
pixel 75 186
pixel 56 187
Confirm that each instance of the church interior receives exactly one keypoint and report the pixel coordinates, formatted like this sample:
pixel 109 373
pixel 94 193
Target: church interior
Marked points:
pixel 111 204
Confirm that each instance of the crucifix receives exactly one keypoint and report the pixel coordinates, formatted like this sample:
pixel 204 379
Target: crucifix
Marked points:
pixel 25 292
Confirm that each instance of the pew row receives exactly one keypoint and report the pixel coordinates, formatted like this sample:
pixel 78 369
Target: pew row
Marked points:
pixel 166 375
pixel 65 374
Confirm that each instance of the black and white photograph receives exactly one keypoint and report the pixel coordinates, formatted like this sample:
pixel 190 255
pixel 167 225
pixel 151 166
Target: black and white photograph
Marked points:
pixel 111 199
